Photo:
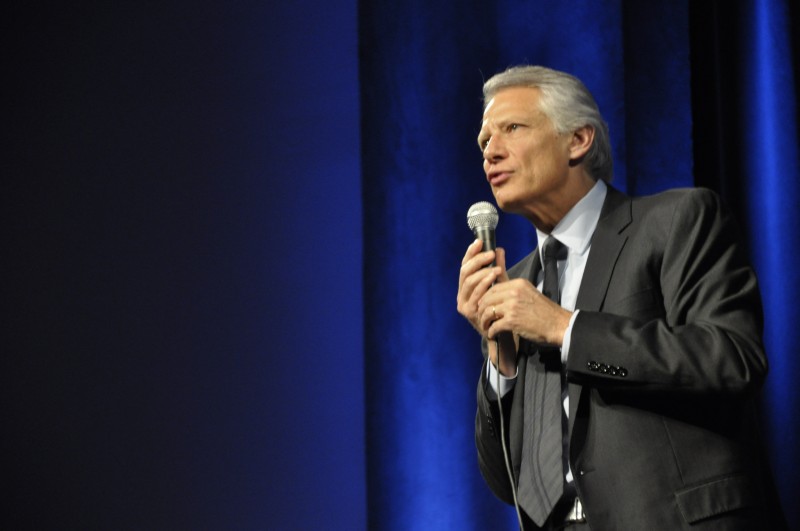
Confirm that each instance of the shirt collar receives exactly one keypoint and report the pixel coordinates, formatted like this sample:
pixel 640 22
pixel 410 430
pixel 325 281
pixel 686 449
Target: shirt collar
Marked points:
pixel 575 230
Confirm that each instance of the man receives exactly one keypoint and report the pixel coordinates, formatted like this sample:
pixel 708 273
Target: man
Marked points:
pixel 650 336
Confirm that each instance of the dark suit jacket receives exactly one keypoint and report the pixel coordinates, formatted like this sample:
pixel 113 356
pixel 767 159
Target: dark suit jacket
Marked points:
pixel 664 367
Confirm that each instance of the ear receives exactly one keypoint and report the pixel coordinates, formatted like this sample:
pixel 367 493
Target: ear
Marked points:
pixel 580 143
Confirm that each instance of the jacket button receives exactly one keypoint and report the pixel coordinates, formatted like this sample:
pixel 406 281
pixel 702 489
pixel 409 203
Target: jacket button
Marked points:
pixel 623 372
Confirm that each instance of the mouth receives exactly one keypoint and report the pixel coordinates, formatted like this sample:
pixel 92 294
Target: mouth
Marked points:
pixel 496 178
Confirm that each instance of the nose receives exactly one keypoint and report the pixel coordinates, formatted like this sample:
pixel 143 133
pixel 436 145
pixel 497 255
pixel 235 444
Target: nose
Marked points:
pixel 494 150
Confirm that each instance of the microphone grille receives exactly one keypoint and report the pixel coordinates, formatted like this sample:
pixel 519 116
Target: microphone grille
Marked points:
pixel 482 214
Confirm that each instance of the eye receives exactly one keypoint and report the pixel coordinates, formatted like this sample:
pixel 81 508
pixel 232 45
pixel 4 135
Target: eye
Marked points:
pixel 512 127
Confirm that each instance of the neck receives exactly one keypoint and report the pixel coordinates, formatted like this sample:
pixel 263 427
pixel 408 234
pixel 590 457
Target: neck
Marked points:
pixel 546 214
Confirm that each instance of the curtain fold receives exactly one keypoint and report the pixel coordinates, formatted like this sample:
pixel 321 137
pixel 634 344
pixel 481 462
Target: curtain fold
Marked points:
pixel 769 137
pixel 677 84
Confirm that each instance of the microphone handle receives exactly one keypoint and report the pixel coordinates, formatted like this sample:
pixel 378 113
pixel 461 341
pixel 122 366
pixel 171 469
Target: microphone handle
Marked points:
pixel 486 235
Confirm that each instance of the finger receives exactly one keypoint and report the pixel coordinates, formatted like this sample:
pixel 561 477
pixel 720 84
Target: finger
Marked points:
pixel 468 267
pixel 473 249
pixel 486 317
pixel 497 292
pixel 476 265
pixel 477 296
pixel 470 291
pixel 476 256
pixel 482 288
pixel 500 261
pixel 473 262
pixel 496 326
pixel 483 318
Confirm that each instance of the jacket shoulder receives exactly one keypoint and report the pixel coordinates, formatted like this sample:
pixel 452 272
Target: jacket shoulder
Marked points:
pixel 699 198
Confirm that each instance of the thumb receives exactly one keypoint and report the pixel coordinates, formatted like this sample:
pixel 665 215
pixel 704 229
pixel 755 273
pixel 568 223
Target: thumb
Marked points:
pixel 500 261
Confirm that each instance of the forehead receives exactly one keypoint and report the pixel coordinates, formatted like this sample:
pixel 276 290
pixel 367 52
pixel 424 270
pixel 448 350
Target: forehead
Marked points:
pixel 512 100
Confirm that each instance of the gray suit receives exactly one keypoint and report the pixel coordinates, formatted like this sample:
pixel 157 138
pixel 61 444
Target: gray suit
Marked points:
pixel 664 367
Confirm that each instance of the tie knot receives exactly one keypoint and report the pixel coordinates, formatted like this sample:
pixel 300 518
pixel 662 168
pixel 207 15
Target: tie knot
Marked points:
pixel 552 248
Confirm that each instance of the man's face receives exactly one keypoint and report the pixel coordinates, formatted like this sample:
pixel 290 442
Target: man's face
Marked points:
pixel 525 160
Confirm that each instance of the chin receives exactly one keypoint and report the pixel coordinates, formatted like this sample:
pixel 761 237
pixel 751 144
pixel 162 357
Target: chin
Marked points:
pixel 504 203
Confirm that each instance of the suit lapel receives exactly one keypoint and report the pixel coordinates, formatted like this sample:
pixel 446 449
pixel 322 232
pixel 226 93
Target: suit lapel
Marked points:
pixel 607 243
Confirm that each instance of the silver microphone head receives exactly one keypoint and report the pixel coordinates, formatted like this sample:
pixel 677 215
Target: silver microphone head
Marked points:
pixel 482 214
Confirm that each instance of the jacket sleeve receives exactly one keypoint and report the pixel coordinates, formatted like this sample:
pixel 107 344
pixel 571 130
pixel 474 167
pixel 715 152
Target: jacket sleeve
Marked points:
pixel 487 440
pixel 683 311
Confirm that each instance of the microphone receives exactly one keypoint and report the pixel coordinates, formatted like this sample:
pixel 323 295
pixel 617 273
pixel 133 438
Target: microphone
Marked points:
pixel 482 219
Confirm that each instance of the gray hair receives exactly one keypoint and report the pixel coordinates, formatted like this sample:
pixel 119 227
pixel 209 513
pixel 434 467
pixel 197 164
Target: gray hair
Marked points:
pixel 568 104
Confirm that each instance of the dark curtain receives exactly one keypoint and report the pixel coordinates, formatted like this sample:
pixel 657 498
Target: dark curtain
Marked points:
pixel 696 94
pixel 180 278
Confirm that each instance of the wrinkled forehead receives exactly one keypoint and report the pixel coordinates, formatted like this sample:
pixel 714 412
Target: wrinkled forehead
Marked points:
pixel 511 102
pixel 517 99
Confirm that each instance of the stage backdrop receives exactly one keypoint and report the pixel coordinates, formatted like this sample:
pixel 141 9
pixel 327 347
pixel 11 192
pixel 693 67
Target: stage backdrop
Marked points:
pixel 232 233
pixel 181 266
pixel 697 93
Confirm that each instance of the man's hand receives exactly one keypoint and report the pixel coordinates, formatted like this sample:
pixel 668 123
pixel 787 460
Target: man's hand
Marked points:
pixel 474 281
pixel 518 307
pixel 506 309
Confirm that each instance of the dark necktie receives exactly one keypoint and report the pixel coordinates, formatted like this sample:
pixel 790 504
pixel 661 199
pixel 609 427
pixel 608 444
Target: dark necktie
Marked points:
pixel 541 479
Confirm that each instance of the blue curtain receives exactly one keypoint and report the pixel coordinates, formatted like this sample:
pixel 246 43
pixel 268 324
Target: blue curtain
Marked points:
pixel 696 94
pixel 770 160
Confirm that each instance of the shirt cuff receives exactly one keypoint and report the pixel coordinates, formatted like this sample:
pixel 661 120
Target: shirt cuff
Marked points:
pixel 506 384
pixel 567 338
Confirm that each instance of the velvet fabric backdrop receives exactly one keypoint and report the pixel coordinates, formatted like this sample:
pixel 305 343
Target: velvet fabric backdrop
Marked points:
pixel 699 93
